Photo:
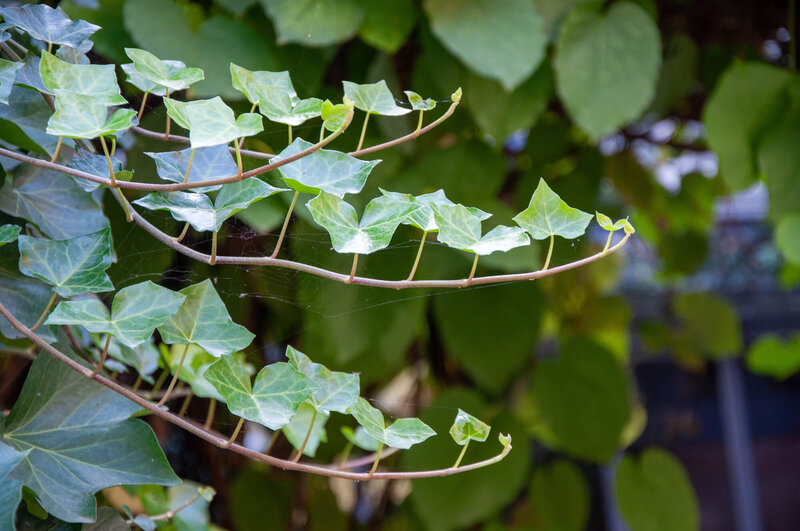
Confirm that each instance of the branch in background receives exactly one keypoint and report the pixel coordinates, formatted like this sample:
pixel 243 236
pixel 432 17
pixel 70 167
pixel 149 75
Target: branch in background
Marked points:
pixel 185 140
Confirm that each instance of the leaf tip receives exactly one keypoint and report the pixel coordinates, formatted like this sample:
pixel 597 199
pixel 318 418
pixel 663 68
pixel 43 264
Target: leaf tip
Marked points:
pixel 456 96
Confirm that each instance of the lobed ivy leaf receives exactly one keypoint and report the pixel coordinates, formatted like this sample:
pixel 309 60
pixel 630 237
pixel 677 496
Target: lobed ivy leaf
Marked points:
pixel 96 81
pixel 73 266
pixel 24 119
pixel 468 428
pixel 373 98
pixel 80 116
pixel 460 228
pixel 253 83
pixel 203 320
pixel 170 76
pixel 336 391
pixel 79 438
pixel 606 224
pixel 323 170
pixel 76 55
pixel 548 215
pixel 136 312
pixel 211 122
pixel 297 429
pixel 8 233
pixel 42 22
pixel 212 162
pixel 423 217
pixel 359 437
pixel 381 218
pixel 195 367
pixel 26 298
pixel 275 95
pixel 10 490
pixel 418 103
pixel 402 433
pixel 8 73
pixel 200 212
pixel 334 116
pixel 142 358
pixel 272 399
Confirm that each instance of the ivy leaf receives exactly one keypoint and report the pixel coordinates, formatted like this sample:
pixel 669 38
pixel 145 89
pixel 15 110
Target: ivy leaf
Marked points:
pixel 96 165
pixel 212 162
pixel 171 75
pixel 211 122
pixel 504 41
pixel 560 497
pixel 79 439
pixel 96 81
pixel 203 320
pixel 606 224
pixel 272 400
pixel 381 218
pixel 771 356
pixel 336 391
pixel 73 266
pixel 8 73
pixel 314 22
pixel 402 433
pixel 423 217
pixel 297 429
pixel 387 23
pixel 468 428
pixel 602 96
pixel 359 437
pixel 79 116
pixel 26 298
pixel 10 490
pixel 24 119
pixel 136 312
pixel 323 170
pixel 373 98
pixel 333 116
pixel 142 358
pixel 195 367
pixel 47 24
pixel 461 229
pixel 275 95
pixel 198 210
pixel 418 103
pixel 253 83
pixel 8 233
pixel 548 215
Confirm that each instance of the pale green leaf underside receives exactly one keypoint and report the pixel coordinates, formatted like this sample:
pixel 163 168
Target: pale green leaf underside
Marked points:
pixel 402 433
pixel 548 215
pixel 460 228
pixel 96 81
pixel 212 122
pixel 359 437
pixel 336 391
pixel 169 75
pixel 423 217
pixel 275 95
pixel 297 429
pixel 79 116
pixel 8 73
pixel 468 428
pixel 373 98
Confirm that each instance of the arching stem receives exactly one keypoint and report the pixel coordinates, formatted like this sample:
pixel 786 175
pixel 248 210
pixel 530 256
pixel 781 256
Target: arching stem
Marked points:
pixel 308 436
pixel 174 378
pixel 103 357
pixel 353 269
pixel 235 433
pixel 608 242
pixel 285 225
pixel 549 253
pixel 212 407
pixel 461 455
pixel 363 132
pixel 185 405
pixel 58 149
pixel 472 271
pixel 377 460
pixel 213 259
pixel 46 311
pixel 419 255
pixel 189 166
pixel 141 107
pixel 183 233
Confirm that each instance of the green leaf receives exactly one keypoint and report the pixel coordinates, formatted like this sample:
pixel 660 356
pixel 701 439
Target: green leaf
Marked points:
pixel 8 233
pixel 336 391
pixel 313 22
pixel 583 398
pixel 96 81
pixel 771 356
pixel 374 232
pixel 607 64
pixel 10 490
pixel 108 519
pixel 678 76
pixel 467 428
pixel 373 98
pixel 57 206
pixel 746 103
pixel 559 497
pixel 787 238
pixel 418 103
pixel 503 41
pixel 47 24
pixel 195 367
pixel 96 165
pixel 323 170
pixel 297 429
pixel 606 224
pixel 73 266
pixel 359 438
pixel 170 75
pixel 387 23
pixel 779 162
pixel 654 493
pixel 26 298
pixel 75 447
pixel 334 116
pixel 272 400
pixel 136 312
pixel 460 228
pixel 423 217
pixel 211 122
pixel 548 215
pixel 142 358
pixel 198 210
pixel 701 312
pixel 24 119
pixel 213 162
pixel 203 320
pixel 80 116
pixel 8 73
pixel 275 95
pixel 402 433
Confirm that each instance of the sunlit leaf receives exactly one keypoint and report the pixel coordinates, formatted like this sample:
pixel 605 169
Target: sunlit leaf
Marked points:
pixel 79 116
pixel 42 22
pixel 195 367
pixel 467 428
pixel 548 215
pixel 373 98
pixel 334 116
pixel 327 171
pixel 198 210
pixel 381 218
pixel 297 429
pixel 611 226
pixel 71 266
pixel 213 162
pixel 460 228
pixel 203 320
pixel 95 81
pixel 136 312
pixel 314 22
pixel 402 433
pixel 8 233
pixel 272 399
pixel 211 122
pixel 775 357
pixel 336 391
pixel 423 217
pixel 418 103
pixel 8 73
pixel 170 75
pixel 275 95
pixel 359 437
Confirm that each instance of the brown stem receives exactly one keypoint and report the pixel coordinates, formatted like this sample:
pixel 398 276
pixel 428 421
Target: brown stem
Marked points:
pixel 419 255
pixel 375 463
pixel 58 149
pixel 46 311
pixel 235 433
pixel 285 225
pixel 185 140
pixel 212 407
pixel 174 378
pixel 472 271
pixel 213 259
pixel 308 436
pixel 189 166
pixel 185 405
pixel 182 235
pixel 141 107
pixel 353 270
pixel 103 357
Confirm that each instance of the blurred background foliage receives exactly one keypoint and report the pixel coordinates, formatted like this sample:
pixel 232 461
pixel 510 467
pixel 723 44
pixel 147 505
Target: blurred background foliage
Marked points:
pixel 682 115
